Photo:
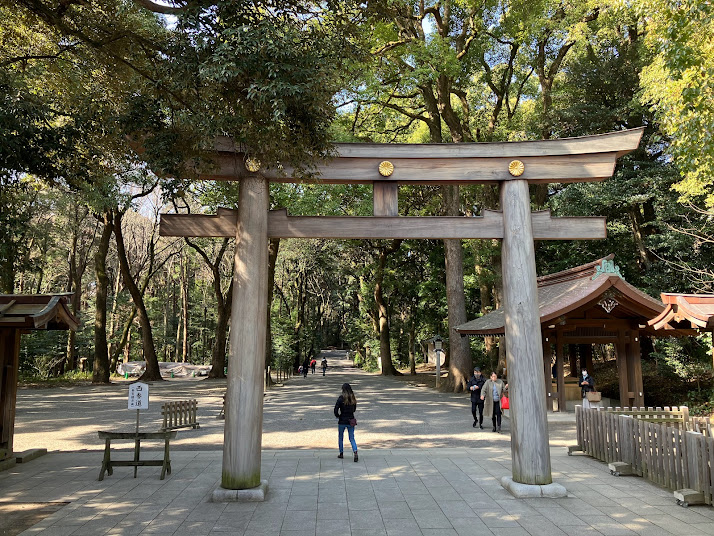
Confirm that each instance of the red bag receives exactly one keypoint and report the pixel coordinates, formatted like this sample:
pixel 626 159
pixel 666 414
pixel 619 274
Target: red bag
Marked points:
pixel 504 403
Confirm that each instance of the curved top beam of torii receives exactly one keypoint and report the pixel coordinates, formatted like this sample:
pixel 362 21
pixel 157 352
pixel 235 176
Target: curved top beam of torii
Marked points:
pixel 585 158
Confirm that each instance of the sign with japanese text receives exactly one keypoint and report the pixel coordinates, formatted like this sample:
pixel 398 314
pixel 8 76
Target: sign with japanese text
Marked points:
pixel 139 396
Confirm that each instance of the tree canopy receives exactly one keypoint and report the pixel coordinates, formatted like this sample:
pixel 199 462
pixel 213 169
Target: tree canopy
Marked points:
pixel 104 104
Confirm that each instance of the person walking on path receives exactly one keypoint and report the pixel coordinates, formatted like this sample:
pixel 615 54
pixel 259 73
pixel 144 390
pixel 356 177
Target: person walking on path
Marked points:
pixel 313 364
pixel 324 365
pixel 345 412
pixel 305 367
pixel 492 392
pixel 587 385
pixel 475 385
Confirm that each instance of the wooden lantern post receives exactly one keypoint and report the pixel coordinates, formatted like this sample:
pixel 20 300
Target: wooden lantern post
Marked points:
pixel 244 393
pixel 530 453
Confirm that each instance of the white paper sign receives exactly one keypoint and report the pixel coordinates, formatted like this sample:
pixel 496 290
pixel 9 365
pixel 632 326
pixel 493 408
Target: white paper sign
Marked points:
pixel 139 396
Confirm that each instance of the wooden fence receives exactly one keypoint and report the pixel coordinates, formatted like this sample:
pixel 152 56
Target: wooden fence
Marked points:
pixel 659 445
pixel 180 414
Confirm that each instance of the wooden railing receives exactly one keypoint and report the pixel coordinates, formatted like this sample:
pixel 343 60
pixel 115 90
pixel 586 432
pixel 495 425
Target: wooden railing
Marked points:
pixel 656 443
pixel 180 414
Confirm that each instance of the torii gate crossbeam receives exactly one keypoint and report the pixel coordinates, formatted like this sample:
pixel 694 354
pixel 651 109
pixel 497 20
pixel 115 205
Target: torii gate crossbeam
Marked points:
pixel 513 165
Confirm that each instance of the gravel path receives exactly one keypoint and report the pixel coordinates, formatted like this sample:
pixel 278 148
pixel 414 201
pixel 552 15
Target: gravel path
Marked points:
pixel 298 415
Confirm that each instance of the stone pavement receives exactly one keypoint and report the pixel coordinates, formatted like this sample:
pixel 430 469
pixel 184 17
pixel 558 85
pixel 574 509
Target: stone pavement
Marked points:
pixel 389 492
pixel 449 485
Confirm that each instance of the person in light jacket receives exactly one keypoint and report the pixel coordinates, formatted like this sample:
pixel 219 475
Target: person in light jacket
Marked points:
pixel 587 384
pixel 491 394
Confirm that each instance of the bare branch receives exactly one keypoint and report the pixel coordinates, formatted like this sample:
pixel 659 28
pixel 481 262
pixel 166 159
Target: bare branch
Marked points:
pixel 391 45
pixel 160 8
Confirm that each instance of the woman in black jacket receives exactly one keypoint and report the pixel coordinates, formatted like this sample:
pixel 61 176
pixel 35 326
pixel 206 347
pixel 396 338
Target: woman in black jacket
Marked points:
pixel 587 384
pixel 345 413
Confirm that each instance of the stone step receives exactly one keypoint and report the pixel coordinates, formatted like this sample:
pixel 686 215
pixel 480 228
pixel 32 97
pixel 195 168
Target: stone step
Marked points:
pixel 29 455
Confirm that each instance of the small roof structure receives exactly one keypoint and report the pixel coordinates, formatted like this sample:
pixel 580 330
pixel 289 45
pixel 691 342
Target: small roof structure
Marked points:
pixel 685 311
pixel 36 311
pixel 20 313
pixel 563 293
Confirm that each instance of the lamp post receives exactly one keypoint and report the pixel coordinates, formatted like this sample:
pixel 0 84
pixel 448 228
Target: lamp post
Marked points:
pixel 438 346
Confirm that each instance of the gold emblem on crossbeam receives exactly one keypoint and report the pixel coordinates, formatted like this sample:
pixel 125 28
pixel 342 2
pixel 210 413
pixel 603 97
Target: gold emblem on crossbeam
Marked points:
pixel 252 165
pixel 516 168
pixel 386 168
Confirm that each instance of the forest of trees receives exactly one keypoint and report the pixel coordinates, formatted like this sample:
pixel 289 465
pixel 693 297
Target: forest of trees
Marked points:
pixel 82 85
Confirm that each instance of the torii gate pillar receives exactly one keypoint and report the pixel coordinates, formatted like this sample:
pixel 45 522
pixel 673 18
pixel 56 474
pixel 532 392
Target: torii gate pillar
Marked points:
pixel 244 393
pixel 524 351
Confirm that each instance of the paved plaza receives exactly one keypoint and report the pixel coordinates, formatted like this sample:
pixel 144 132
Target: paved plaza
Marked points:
pixel 437 489
pixel 391 414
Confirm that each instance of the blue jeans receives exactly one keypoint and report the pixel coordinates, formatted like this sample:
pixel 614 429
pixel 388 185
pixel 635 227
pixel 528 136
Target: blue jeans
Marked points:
pixel 350 434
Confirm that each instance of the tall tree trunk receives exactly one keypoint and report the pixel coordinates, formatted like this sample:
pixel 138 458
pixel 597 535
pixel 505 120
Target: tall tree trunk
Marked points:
pixel 100 372
pixel 273 248
pixel 73 286
pixel 300 320
pixel 117 350
pixel 152 372
pixel 185 348
pixel 412 341
pixel 385 350
pixel 165 319
pixel 459 352
pixel 644 259
pixel 218 356
pixel 223 307
pixel 115 306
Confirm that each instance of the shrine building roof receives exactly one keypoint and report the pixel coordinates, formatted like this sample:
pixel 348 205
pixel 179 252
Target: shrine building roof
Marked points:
pixel 685 311
pixel 36 311
pixel 594 291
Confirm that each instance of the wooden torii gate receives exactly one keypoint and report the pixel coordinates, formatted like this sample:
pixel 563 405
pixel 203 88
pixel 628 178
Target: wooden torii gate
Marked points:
pixel 511 165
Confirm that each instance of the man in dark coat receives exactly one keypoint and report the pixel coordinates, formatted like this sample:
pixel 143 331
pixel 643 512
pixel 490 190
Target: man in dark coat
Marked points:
pixel 475 385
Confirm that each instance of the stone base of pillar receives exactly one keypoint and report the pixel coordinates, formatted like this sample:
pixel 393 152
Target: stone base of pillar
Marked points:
pixel 256 494
pixel 530 491
pixel 7 463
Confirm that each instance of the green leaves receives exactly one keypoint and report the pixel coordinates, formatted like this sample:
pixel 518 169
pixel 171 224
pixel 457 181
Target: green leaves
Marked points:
pixel 679 85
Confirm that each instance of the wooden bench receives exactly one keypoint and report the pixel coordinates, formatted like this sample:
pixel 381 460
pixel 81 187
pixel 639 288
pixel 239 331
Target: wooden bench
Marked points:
pixel 180 414
pixel 108 464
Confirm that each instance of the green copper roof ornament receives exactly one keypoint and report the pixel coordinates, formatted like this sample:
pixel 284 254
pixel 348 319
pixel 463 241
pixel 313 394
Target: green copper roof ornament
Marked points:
pixel 607 267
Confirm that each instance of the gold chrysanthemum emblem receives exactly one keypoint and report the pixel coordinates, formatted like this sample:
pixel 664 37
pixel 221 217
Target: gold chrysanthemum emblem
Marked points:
pixel 386 168
pixel 252 165
pixel 516 168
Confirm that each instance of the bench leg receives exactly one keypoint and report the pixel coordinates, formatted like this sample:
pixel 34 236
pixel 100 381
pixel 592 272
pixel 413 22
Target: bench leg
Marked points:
pixel 106 462
pixel 166 467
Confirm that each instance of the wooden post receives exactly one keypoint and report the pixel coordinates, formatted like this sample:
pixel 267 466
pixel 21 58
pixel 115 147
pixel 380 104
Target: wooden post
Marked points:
pixel 559 368
pixel 573 358
pixel 547 353
pixel 438 367
pixel 530 452
pixel 622 372
pixel 385 198
pixel 9 364
pixel 244 392
pixel 636 370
